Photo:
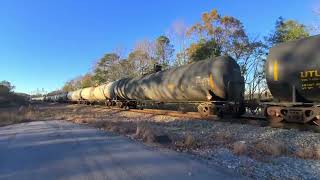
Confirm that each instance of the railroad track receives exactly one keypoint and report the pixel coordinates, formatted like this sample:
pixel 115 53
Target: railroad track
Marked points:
pixel 247 119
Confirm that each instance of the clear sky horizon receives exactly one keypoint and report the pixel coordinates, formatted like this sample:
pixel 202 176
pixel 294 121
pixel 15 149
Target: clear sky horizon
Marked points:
pixel 44 43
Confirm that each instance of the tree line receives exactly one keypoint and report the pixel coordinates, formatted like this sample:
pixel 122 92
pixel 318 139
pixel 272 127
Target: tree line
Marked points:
pixel 214 35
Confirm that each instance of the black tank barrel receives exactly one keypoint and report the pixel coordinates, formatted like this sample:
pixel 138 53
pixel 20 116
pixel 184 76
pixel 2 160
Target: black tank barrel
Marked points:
pixel 213 79
pixel 293 71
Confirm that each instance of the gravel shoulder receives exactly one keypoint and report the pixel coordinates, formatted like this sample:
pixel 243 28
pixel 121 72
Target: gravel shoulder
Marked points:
pixel 64 150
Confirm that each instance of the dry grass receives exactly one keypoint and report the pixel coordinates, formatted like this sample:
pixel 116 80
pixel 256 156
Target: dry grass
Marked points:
pixel 151 134
pixel 15 115
pixel 309 153
pixel 271 148
pixel 240 148
pixel 190 140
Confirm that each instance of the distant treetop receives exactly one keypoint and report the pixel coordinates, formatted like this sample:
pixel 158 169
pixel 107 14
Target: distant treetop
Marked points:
pixel 287 30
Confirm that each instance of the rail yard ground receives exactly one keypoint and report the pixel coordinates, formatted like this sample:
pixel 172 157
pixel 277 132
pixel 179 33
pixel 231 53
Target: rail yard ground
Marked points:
pixel 246 147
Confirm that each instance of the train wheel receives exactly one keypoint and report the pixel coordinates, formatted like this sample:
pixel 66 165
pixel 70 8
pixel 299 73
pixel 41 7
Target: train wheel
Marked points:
pixel 254 111
pixel 273 114
pixel 119 104
pixel 204 110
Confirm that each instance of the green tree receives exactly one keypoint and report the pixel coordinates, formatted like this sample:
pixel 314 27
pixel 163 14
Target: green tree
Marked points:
pixel 287 30
pixel 164 51
pixel 124 69
pixel 229 37
pixel 203 50
pixel 226 31
pixel 7 84
pixel 103 69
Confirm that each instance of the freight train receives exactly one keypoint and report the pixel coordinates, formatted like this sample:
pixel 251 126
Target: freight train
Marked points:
pixel 216 86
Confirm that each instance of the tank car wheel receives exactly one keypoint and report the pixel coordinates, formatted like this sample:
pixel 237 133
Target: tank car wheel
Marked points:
pixel 272 115
pixel 220 114
pixel 120 104
pixel 109 104
pixel 254 111
pixel 126 107
pixel 140 107
pixel 204 110
pixel 275 121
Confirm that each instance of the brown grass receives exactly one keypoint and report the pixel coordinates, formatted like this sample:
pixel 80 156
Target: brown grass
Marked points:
pixel 145 132
pixel 189 140
pixel 240 148
pixel 308 153
pixel 15 115
pixel 271 148
pixel 151 134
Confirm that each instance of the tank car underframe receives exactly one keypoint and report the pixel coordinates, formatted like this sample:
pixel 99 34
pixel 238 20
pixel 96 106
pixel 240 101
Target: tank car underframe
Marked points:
pixel 293 112
pixel 205 108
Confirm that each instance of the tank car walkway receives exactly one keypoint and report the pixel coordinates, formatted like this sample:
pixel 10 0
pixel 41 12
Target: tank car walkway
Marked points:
pixel 62 150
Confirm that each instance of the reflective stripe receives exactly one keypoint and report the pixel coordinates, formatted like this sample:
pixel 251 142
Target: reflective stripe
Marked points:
pixel 275 70
pixel 211 82
pixel 171 86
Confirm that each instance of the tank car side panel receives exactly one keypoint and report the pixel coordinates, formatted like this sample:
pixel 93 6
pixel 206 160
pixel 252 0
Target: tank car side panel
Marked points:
pixel 76 95
pixel 119 89
pixel 109 90
pixel 98 93
pixel 69 96
pixel 295 65
pixel 87 94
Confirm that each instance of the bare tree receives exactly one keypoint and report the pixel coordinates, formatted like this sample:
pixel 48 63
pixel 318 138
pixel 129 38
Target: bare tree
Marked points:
pixel 142 57
pixel 146 46
pixel 178 33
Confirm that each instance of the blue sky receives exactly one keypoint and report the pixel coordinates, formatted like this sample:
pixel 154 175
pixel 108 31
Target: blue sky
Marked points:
pixel 44 43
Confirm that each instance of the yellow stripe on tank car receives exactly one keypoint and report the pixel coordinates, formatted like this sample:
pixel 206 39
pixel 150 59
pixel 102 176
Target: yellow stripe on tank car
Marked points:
pixel 275 71
pixel 171 86
pixel 211 82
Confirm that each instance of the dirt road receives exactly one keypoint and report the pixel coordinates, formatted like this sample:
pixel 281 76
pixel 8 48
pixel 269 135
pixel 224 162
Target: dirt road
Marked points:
pixel 63 150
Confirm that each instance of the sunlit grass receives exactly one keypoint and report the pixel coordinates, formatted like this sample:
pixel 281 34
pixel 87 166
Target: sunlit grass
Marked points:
pixel 18 115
